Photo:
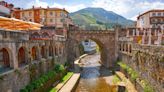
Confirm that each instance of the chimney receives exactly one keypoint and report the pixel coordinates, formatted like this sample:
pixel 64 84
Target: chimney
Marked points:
pixel 47 6
pixel 33 7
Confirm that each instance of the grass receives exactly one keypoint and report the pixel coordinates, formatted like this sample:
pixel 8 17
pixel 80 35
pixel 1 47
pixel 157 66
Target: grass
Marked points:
pixel 53 90
pixel 66 77
pixel 63 81
pixel 115 79
pixel 133 74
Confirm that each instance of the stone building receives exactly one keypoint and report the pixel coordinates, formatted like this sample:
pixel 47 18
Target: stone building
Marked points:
pixel 19 50
pixel 54 17
pixel 151 19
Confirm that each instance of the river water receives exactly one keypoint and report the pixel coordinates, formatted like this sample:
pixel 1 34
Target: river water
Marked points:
pixel 94 77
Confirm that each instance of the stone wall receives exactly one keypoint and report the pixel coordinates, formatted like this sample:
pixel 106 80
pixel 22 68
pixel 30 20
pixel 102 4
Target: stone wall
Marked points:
pixel 15 79
pixel 148 61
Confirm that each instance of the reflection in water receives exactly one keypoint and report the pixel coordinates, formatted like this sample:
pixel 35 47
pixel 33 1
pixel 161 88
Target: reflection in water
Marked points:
pixel 90 76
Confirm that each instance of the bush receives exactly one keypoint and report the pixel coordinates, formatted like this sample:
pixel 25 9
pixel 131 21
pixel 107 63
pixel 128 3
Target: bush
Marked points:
pixel 30 87
pixel 39 82
pixel 23 90
pixel 59 68
pixel 133 74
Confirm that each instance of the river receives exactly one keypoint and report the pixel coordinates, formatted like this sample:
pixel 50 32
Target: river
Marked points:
pixel 94 77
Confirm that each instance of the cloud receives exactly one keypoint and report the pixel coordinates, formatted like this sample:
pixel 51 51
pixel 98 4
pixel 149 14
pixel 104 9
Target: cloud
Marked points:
pixel 38 3
pixel 128 8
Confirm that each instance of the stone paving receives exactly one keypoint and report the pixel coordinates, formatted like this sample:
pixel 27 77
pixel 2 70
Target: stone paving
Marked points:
pixel 70 83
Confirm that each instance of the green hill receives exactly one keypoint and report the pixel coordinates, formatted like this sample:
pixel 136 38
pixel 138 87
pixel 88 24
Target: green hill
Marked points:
pixel 98 18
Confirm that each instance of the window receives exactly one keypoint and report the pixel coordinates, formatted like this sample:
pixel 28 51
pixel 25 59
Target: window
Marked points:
pixel 51 20
pixel 22 13
pixel 40 12
pixel 30 13
pixel 51 13
pixel 61 20
pixel 159 20
pixel 154 14
pixel 30 20
pixel 159 14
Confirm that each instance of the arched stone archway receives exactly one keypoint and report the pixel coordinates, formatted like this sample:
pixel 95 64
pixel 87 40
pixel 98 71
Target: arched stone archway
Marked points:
pixel 50 50
pixel 21 56
pixel 105 39
pixel 43 52
pixel 34 53
pixel 130 48
pixel 5 58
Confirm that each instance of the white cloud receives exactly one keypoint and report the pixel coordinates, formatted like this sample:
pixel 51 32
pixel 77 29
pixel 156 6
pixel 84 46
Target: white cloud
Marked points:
pixel 128 8
pixel 69 8
pixel 38 3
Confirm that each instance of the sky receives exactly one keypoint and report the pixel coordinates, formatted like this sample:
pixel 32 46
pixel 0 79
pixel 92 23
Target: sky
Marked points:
pixel 129 9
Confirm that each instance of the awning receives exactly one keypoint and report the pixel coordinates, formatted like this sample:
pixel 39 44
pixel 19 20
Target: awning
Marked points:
pixel 16 24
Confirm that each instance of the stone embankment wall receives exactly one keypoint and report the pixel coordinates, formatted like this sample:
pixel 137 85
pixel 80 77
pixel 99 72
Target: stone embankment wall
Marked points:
pixel 16 79
pixel 148 61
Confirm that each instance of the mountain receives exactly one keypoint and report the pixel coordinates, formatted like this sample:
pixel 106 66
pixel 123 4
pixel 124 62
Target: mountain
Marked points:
pixel 98 18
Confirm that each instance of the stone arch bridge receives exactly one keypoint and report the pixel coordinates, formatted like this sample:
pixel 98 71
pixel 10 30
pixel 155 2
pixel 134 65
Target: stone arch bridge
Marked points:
pixel 107 41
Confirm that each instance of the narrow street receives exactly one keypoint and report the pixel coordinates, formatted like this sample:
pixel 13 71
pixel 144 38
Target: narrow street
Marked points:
pixel 94 77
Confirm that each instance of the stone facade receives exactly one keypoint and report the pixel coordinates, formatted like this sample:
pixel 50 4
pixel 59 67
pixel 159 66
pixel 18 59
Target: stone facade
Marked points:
pixel 148 61
pixel 23 60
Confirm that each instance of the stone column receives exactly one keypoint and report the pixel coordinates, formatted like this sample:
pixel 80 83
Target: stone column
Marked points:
pixel 13 57
pixel 143 37
pixel 155 31
pixel 149 34
pixel 137 32
pixel 39 53
pixel 133 32
pixel 127 33
pixel 159 38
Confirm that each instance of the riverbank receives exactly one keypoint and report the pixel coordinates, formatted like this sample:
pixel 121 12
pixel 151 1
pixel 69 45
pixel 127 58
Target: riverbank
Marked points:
pixel 70 84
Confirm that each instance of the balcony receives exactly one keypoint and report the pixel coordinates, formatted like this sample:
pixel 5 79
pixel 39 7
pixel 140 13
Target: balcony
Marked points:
pixel 13 36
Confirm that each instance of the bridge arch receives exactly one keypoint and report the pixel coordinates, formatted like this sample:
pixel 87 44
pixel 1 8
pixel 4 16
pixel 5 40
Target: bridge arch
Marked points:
pixel 104 39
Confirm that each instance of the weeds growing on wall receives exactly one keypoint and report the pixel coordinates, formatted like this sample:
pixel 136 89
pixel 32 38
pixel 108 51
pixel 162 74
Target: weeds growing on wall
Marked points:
pixel 41 81
pixel 134 75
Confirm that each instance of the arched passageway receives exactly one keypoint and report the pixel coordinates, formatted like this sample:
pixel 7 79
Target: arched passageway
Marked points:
pixel 4 58
pixel 92 46
pixel 21 56
pixel 43 52
pixel 105 39
pixel 34 53
pixel 50 50
pixel 56 51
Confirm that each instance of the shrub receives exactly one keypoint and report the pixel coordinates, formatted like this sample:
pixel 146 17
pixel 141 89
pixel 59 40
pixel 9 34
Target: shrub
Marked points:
pixel 30 87
pixel 39 82
pixel 133 74
pixel 23 90
pixel 59 68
